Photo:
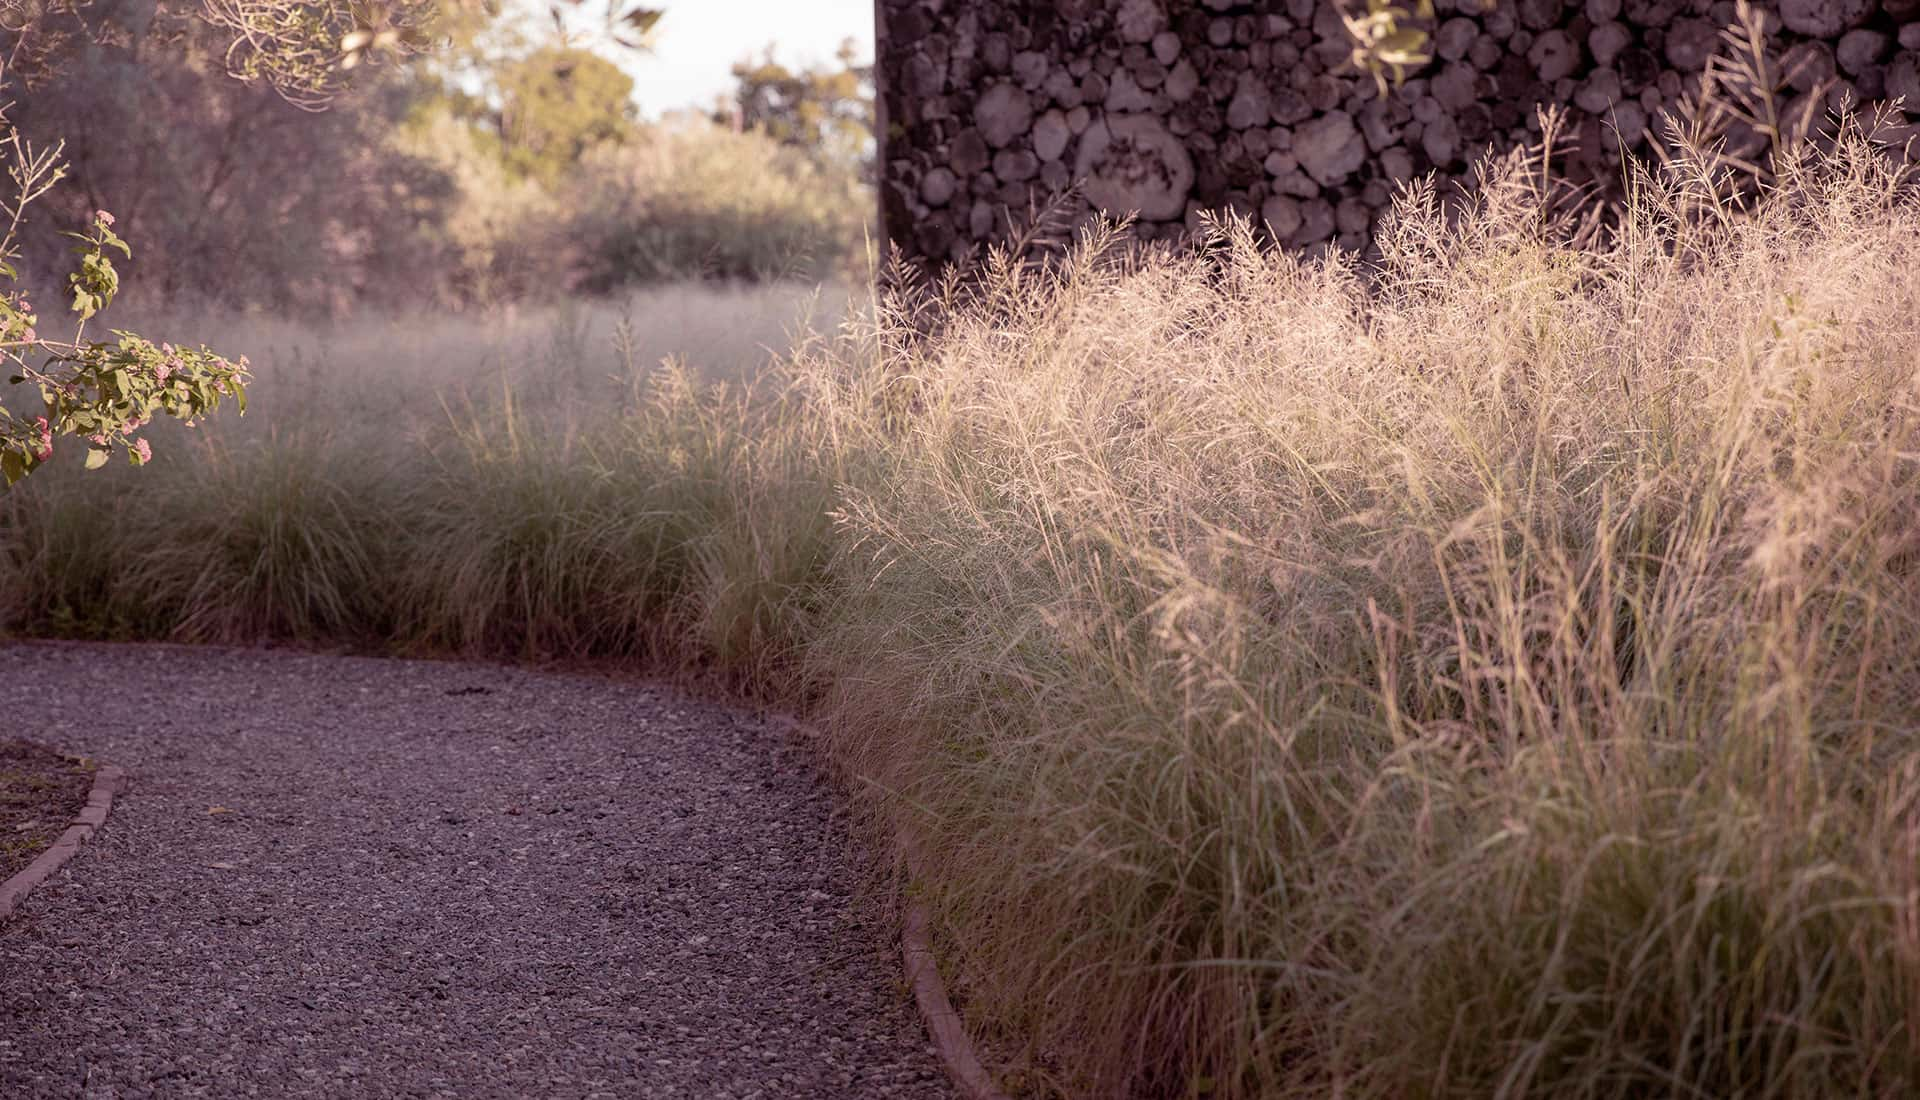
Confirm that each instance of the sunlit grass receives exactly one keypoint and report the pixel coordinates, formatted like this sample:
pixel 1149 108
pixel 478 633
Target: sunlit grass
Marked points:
pixel 1499 676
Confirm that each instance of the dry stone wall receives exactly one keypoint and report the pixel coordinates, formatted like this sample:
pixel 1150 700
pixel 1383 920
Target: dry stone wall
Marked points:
pixel 1173 107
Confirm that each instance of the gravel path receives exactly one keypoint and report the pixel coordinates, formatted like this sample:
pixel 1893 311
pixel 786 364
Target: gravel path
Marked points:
pixel 352 877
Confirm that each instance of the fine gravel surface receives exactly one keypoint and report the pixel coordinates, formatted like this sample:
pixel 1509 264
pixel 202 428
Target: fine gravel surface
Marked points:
pixel 347 877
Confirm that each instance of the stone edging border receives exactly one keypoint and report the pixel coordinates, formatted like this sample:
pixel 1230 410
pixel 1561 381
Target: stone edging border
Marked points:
pixel 108 780
pixel 950 1039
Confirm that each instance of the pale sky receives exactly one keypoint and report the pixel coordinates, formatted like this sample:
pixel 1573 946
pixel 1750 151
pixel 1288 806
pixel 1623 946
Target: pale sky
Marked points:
pixel 699 40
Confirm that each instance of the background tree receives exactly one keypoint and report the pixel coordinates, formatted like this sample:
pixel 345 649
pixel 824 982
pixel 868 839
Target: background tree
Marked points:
pixel 303 52
pixel 558 103
pixel 826 111
pixel 195 164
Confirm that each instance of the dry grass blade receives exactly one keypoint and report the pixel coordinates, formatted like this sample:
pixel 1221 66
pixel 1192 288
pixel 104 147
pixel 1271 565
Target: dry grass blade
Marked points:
pixel 1490 674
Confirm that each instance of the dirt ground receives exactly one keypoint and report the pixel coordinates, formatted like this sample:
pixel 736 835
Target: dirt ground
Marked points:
pixel 40 792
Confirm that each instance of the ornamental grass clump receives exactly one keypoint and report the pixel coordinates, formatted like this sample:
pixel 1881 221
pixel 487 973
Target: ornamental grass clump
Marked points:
pixel 1490 673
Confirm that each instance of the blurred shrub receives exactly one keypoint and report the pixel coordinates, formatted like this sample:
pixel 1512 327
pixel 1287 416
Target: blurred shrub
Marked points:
pixel 679 200
pixel 558 103
pixel 226 191
pixel 499 237
pixel 535 181
pixel 690 198
pixel 827 112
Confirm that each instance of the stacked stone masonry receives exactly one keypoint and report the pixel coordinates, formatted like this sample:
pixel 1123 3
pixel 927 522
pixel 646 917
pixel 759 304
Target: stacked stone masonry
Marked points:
pixel 1174 107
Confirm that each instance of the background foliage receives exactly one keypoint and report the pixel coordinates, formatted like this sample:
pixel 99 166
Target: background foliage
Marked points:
pixel 508 165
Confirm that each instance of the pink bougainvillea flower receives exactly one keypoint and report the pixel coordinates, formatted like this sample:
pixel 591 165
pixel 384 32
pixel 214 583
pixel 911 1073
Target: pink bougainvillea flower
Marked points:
pixel 135 424
pixel 143 449
pixel 103 217
pixel 98 439
pixel 44 445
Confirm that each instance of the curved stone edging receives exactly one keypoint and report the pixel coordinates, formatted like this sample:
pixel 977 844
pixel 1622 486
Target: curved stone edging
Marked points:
pixel 950 1039
pixel 107 781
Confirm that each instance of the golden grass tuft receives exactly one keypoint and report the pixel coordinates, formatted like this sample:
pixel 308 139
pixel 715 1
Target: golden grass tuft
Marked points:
pixel 1497 674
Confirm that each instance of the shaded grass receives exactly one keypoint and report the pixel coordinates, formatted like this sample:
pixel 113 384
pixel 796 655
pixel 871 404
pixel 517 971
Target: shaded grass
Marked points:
pixel 1490 676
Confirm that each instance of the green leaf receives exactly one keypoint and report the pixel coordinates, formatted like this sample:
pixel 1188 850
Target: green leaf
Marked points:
pixel 1405 46
pixel 97 457
pixel 13 464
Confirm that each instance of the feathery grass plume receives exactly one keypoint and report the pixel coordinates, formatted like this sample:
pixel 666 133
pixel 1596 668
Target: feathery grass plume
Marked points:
pixel 1479 684
pixel 1488 675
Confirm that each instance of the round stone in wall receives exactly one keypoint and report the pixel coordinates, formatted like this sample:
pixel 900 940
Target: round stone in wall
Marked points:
pixel 1538 15
pixel 968 153
pixel 1397 163
pixel 1250 103
pixel 1131 163
pixel 1015 165
pixel 1441 140
pixel 1282 216
pixel 1860 50
pixel 1316 223
pixel 1600 91
pixel 1050 135
pixel 1607 40
pixel 1690 42
pixel 1455 37
pixel 1903 78
pixel 937 186
pixel 1140 20
pixel 1554 54
pixel 1456 86
pixel 1003 114
pixel 1030 68
pixel 1329 147
pixel 1824 18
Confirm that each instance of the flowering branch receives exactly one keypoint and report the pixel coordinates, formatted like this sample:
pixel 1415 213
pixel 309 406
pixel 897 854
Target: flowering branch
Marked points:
pixel 103 392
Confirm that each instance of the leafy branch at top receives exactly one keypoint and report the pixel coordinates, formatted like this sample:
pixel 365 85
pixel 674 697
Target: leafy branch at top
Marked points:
pixel 1389 38
pixel 305 49
pixel 101 391
pixel 106 391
